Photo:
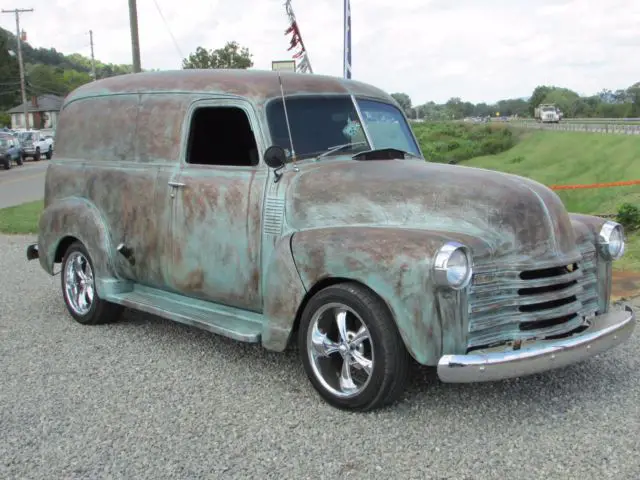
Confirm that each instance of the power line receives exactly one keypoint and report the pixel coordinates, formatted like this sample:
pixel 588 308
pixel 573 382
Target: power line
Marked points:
pixel 17 13
pixel 175 43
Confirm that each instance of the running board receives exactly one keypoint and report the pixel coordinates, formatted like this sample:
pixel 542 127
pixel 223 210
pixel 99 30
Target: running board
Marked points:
pixel 230 322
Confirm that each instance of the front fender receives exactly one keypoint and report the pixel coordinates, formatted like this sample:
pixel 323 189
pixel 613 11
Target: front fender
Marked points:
pixel 76 217
pixel 395 264
pixel 587 228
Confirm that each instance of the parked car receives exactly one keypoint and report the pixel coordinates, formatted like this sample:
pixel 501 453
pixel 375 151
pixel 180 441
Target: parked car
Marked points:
pixel 304 211
pixel 34 145
pixel 9 151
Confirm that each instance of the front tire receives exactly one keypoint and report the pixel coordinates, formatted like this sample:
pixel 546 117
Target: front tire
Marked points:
pixel 79 292
pixel 49 154
pixel 351 349
pixel 7 162
pixel 36 156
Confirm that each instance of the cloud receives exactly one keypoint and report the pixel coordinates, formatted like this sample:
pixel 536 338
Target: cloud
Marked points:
pixel 430 49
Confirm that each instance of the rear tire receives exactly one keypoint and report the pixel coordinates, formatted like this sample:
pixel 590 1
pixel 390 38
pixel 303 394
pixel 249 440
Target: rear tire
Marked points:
pixel 49 154
pixel 36 156
pixel 79 292
pixel 347 323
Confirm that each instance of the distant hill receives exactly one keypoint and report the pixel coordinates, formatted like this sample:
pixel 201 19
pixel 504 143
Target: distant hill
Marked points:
pixel 47 71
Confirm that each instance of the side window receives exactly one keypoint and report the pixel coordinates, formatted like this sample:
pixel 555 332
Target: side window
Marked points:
pixel 221 136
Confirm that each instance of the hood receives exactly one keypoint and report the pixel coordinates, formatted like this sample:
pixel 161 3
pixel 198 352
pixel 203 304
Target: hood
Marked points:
pixel 514 216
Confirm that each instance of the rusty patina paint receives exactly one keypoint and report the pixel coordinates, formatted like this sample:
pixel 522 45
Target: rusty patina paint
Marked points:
pixel 394 263
pixel 234 237
pixel 283 295
pixel 256 85
pixel 516 217
pixel 216 236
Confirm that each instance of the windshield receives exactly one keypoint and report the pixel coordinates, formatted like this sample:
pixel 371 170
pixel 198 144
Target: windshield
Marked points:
pixel 549 109
pixel 387 127
pixel 26 136
pixel 4 142
pixel 320 123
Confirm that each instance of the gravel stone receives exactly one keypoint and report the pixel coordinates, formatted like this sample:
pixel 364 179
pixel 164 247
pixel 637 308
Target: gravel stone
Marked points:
pixel 147 398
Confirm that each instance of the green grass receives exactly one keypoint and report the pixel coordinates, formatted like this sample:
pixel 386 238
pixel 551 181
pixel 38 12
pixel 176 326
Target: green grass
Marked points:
pixel 631 259
pixel 452 142
pixel 568 158
pixel 21 219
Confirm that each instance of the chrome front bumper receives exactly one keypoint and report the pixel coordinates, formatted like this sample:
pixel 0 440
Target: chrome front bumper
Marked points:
pixel 605 332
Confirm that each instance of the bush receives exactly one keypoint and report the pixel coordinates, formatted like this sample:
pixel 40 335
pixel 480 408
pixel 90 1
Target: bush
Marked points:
pixel 629 216
pixel 453 142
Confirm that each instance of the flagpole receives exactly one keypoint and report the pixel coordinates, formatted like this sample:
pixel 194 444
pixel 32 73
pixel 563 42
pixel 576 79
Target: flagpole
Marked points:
pixel 346 58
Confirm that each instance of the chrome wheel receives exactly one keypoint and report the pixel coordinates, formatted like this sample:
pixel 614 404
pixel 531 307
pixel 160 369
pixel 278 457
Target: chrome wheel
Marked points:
pixel 340 350
pixel 79 287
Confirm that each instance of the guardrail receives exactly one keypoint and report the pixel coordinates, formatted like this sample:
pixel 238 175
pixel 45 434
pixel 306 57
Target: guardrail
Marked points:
pixel 605 128
pixel 595 120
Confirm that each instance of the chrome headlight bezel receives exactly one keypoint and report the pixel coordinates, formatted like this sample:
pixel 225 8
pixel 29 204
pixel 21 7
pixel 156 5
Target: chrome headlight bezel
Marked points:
pixel 611 240
pixel 442 266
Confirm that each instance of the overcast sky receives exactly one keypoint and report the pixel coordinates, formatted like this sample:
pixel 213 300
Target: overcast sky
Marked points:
pixel 480 50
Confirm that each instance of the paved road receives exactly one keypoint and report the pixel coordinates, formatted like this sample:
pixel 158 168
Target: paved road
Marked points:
pixel 145 398
pixel 22 184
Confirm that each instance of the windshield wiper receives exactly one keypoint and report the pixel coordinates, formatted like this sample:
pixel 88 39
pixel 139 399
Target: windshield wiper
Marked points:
pixel 337 148
pixel 383 154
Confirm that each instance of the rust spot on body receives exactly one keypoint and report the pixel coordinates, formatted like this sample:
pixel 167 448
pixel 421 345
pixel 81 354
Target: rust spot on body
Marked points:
pixel 193 281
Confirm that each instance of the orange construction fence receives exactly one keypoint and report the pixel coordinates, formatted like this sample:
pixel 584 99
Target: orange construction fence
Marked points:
pixel 595 185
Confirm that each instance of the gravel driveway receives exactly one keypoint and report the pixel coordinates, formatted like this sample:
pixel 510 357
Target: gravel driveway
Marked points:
pixel 146 398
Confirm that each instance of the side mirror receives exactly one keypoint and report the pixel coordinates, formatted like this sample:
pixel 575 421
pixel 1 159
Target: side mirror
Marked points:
pixel 275 157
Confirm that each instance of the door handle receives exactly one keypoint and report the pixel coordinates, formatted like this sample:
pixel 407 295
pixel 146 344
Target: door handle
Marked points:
pixel 177 184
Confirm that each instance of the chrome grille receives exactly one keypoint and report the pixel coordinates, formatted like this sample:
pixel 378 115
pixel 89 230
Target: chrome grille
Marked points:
pixel 509 305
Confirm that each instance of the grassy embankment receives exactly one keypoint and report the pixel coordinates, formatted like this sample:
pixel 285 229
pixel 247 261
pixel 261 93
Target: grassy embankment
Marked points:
pixel 569 158
pixel 547 157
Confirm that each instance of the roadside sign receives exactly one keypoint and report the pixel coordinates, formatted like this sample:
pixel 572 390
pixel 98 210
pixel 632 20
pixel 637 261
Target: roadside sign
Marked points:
pixel 283 65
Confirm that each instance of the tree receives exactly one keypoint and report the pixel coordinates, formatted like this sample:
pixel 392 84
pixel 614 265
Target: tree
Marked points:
pixel 537 96
pixel 230 56
pixel 9 77
pixel 404 101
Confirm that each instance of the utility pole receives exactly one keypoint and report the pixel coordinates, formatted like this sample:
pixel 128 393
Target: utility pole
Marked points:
pixel 17 12
pixel 135 41
pixel 93 59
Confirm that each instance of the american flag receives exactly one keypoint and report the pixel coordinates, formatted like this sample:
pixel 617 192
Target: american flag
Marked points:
pixel 347 39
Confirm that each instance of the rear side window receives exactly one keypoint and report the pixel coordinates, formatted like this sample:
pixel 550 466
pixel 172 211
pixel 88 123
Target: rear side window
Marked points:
pixel 98 129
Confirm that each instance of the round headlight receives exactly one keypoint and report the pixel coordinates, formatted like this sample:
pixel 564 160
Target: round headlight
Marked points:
pixel 452 266
pixel 612 240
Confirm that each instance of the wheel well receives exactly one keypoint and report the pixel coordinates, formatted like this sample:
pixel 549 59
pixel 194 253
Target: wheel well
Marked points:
pixel 64 244
pixel 320 285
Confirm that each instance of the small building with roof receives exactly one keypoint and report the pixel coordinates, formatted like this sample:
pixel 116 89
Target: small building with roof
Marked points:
pixel 42 110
